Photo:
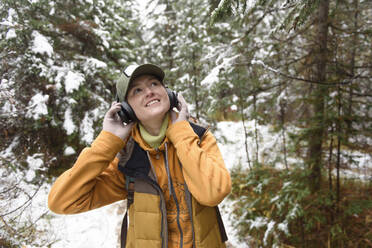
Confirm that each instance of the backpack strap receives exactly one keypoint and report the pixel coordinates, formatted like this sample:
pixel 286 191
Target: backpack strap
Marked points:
pixel 199 130
pixel 129 185
pixel 133 165
pixel 224 237
pixel 129 182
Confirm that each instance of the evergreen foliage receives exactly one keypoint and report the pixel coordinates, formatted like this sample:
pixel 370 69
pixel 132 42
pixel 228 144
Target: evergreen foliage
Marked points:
pixel 301 69
pixel 311 94
pixel 59 63
pixel 179 40
pixel 275 208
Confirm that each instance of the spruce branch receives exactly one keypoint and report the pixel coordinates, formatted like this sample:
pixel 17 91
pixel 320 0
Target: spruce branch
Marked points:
pixel 260 62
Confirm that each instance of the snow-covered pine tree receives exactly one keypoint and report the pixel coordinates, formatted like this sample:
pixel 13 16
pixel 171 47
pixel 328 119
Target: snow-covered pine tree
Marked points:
pixel 59 64
pixel 179 39
pixel 315 70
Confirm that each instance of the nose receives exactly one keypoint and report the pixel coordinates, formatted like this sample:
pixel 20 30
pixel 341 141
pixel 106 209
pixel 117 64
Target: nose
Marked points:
pixel 148 91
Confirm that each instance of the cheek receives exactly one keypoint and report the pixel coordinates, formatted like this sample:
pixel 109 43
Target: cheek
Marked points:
pixel 133 104
pixel 166 100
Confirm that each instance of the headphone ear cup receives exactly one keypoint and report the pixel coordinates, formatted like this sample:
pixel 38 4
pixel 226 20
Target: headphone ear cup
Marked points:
pixel 173 100
pixel 126 113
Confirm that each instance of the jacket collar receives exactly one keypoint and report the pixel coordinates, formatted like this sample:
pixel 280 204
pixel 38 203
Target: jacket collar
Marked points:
pixel 136 135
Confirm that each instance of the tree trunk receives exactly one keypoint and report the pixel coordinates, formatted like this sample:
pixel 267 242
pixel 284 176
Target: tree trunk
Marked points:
pixel 352 69
pixel 338 130
pixel 283 107
pixel 255 126
pixel 241 103
pixel 171 30
pixel 318 98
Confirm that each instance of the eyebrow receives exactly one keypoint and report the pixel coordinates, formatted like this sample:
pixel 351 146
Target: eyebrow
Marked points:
pixel 135 83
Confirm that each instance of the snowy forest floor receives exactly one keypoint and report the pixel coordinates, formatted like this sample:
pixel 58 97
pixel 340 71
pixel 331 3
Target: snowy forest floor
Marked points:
pixel 101 228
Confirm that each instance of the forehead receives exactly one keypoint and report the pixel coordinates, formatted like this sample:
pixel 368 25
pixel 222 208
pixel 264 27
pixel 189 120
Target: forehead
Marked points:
pixel 143 79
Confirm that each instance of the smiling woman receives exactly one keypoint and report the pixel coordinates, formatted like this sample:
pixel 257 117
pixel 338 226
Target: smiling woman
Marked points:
pixel 149 100
pixel 169 169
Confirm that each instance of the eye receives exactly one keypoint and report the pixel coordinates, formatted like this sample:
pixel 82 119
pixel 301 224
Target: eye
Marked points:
pixel 154 83
pixel 136 91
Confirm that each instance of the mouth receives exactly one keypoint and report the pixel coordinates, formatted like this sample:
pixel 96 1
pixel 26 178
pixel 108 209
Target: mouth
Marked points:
pixel 152 102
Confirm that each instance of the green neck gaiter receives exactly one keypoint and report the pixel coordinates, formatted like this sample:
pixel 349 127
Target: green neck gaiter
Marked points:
pixel 155 141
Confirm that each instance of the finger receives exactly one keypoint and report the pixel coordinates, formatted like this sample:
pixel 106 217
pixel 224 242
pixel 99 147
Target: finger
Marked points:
pixel 182 102
pixel 114 105
pixel 129 125
pixel 173 115
pixel 113 110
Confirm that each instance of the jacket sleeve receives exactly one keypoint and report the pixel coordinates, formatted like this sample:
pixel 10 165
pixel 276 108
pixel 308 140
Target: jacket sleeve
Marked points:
pixel 203 167
pixel 93 181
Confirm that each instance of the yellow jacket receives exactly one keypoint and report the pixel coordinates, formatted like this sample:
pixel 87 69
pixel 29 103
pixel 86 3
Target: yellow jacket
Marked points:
pixel 95 181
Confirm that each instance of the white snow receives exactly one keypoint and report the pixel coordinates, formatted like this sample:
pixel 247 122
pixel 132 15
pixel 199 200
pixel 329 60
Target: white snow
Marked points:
pixel 34 163
pixel 95 63
pixel 86 129
pixel 8 152
pixel 37 106
pixel 213 77
pixel 10 34
pixel 258 222
pixel 270 228
pixel 41 44
pixel 69 151
pixel 30 174
pixel 225 209
pixel 144 8
pixel 97 228
pixel 9 109
pixel 12 14
pixel 269 143
pixel 284 227
pixel 68 123
pixel 73 81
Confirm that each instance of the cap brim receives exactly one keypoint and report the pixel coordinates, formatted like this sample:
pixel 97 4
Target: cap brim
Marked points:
pixel 147 69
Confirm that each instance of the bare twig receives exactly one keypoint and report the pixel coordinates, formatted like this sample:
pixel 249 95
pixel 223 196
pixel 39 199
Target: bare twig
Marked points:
pixel 24 204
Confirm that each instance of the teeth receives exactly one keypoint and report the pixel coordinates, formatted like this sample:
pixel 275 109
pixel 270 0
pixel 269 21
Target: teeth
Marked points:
pixel 152 102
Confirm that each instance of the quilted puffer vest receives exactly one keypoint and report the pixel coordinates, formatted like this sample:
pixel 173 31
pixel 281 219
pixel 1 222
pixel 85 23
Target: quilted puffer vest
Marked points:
pixel 147 208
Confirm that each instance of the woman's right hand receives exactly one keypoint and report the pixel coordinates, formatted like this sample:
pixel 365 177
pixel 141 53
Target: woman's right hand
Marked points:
pixel 113 124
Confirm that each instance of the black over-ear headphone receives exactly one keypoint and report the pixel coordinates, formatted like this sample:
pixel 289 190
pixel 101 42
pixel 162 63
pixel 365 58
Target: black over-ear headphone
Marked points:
pixel 127 114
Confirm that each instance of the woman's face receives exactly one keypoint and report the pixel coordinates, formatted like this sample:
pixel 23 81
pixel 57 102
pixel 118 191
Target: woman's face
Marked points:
pixel 148 98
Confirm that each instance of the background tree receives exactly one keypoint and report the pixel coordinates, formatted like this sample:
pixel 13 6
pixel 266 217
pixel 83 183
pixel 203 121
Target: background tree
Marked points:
pixel 59 62
pixel 295 74
pixel 305 71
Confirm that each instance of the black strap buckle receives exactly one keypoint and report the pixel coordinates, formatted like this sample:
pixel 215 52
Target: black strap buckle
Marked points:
pixel 130 189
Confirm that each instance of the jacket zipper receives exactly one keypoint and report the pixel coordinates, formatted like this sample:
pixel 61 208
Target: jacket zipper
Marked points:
pixel 173 193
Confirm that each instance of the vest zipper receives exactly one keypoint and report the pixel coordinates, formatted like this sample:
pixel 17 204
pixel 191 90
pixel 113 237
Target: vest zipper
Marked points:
pixel 173 193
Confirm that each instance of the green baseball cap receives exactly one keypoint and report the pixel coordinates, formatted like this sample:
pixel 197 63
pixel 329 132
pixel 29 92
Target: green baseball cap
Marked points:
pixel 123 82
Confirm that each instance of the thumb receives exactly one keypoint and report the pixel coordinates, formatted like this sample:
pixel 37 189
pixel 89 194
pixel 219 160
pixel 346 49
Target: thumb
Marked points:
pixel 173 116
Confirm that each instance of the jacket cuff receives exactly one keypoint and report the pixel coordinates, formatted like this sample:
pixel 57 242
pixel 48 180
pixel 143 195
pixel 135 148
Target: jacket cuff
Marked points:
pixel 108 144
pixel 179 131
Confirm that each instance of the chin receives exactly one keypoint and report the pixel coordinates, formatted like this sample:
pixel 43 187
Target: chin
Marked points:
pixel 154 115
